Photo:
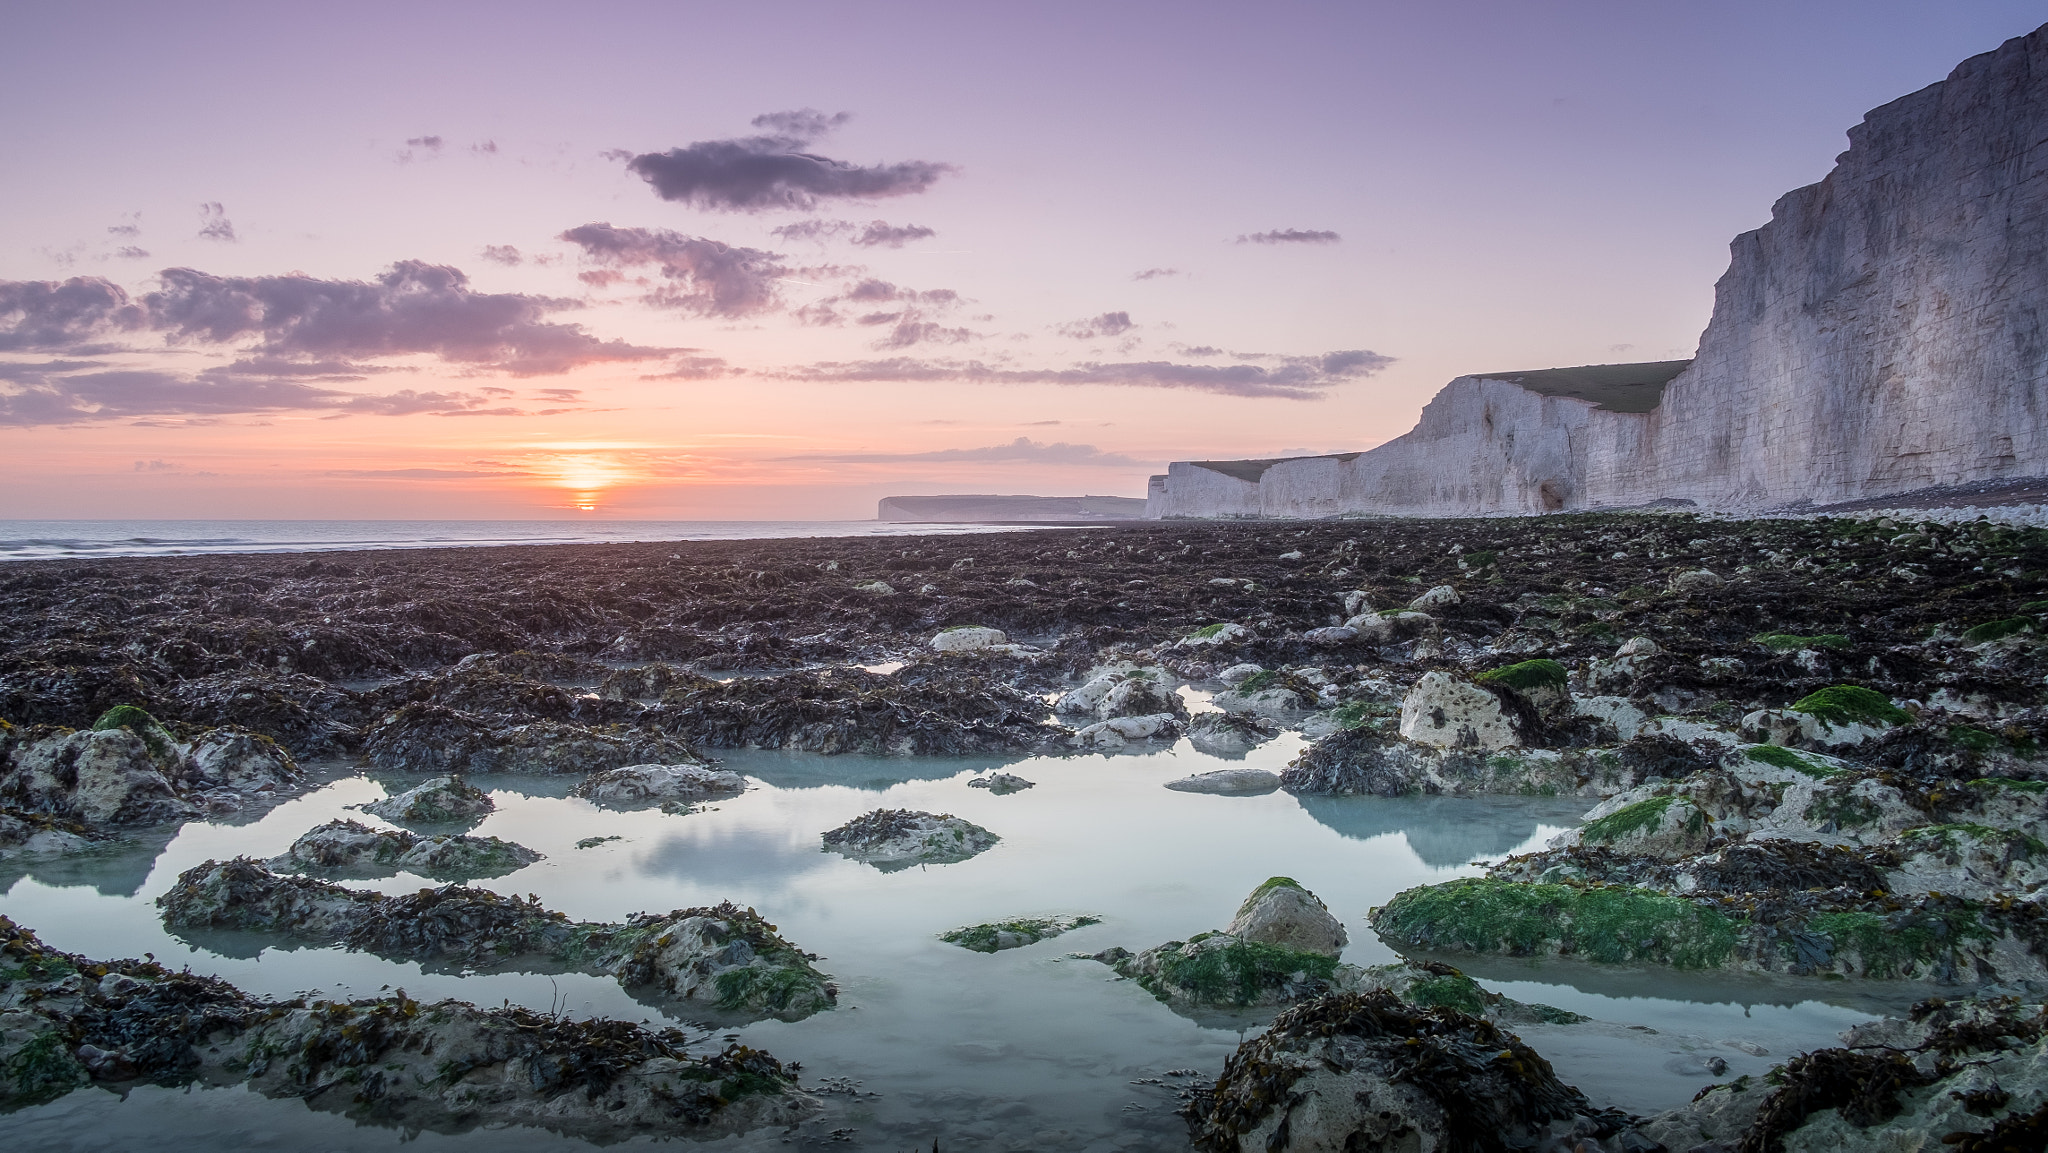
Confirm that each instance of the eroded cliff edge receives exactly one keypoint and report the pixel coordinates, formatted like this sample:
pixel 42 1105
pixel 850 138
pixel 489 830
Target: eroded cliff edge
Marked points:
pixel 1882 333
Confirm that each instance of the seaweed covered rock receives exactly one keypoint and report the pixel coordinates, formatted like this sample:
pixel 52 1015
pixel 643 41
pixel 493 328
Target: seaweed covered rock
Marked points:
pixel 854 711
pixel 448 800
pixel 1124 691
pixel 1281 946
pixel 997 936
pixel 102 778
pixel 1845 933
pixel 1366 1070
pixel 1966 1075
pixel 1001 784
pixel 1667 828
pixel 636 785
pixel 724 957
pixel 353 846
pixel 650 683
pixel 1117 732
pixel 234 758
pixel 1357 762
pixel 899 838
pixel 391 1061
pixel 1228 782
pixel 39 834
pixel 1227 734
pixel 1281 912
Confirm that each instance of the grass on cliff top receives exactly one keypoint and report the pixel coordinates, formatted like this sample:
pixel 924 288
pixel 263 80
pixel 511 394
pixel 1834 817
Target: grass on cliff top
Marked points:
pixel 1536 674
pixel 1849 704
pixel 1608 924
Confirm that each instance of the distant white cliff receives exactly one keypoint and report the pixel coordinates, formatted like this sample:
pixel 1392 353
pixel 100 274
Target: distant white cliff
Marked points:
pixel 1884 332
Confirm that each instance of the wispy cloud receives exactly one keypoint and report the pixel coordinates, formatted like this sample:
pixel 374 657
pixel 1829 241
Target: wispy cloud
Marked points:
pixel 1290 236
pixel 1021 449
pixel 1154 273
pixel 1286 378
pixel 214 223
pixel 873 234
pixel 1098 327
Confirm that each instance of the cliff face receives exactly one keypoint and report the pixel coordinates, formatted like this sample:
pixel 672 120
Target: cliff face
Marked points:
pixel 1883 332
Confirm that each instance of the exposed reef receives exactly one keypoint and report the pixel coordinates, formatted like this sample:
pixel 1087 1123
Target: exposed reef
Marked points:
pixel 447 1067
pixel 723 958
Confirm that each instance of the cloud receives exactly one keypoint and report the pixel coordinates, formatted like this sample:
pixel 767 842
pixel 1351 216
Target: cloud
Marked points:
pixel 214 223
pixel 95 396
pixel 419 473
pixel 429 142
pixel 698 368
pixel 1286 378
pixel 1023 448
pixel 1290 236
pixel 1155 273
pixel 502 254
pixel 759 173
pixel 155 466
pixel 131 252
pixel 708 277
pixel 412 308
pixel 64 315
pixel 1097 327
pixel 128 230
pixel 873 234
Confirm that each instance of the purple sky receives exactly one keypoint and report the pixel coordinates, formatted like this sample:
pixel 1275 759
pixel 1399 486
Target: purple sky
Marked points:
pixel 776 260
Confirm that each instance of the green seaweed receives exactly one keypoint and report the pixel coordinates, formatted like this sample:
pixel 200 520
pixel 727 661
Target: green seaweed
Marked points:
pixel 1948 835
pixel 1996 630
pixel 1207 632
pixel 987 938
pixel 1974 739
pixel 773 989
pixel 1455 991
pixel 1611 924
pixel 1235 974
pixel 139 722
pixel 1626 820
pixel 2035 787
pixel 1541 673
pixel 1351 714
pixel 1781 757
pixel 1258 680
pixel 1849 704
pixel 1898 946
pixel 41 1070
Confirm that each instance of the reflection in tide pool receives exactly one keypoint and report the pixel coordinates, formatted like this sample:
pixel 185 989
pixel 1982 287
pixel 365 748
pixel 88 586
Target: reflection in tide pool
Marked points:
pixel 1023 1049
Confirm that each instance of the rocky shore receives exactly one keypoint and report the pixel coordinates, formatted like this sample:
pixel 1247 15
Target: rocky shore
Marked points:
pixel 1807 748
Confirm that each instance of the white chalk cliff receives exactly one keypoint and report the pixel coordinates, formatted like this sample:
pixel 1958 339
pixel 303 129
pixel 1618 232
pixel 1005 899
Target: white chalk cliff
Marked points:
pixel 1884 332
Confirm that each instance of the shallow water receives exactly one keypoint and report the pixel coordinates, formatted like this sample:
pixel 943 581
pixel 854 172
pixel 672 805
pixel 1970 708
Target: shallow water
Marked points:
pixel 1022 1049
pixel 49 539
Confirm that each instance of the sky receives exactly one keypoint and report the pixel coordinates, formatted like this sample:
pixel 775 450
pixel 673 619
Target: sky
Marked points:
pixel 777 260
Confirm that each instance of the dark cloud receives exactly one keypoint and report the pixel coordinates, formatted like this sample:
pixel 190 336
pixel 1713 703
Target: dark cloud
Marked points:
pixel 128 230
pixel 1290 236
pixel 214 223
pixel 428 142
pixel 873 234
pixel 1155 273
pixel 413 308
pixel 1023 448
pixel 1287 378
pixel 707 277
pixel 64 315
pixel 97 396
pixel 502 254
pixel 1097 327
pixel 772 171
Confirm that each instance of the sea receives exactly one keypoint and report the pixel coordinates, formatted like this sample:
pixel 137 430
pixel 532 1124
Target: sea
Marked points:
pixel 72 539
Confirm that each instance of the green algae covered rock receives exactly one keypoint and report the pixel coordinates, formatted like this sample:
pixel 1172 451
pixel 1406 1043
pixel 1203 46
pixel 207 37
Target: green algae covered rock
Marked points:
pixel 996 936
